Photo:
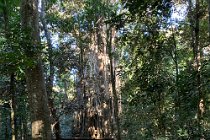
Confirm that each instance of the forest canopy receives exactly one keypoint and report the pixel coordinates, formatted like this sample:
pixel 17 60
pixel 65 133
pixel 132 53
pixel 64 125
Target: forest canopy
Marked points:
pixel 104 69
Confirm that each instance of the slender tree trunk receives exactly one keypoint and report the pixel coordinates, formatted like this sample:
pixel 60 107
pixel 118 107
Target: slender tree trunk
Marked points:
pixel 12 76
pixel 116 105
pixel 50 78
pixel 38 101
pixel 81 95
pixel 7 130
pixel 13 106
pixel 113 82
pixel 208 2
pixel 197 62
pixel 197 59
pixel 175 59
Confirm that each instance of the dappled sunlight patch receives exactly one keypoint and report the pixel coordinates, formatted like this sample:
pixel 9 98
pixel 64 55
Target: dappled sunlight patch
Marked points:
pixel 37 129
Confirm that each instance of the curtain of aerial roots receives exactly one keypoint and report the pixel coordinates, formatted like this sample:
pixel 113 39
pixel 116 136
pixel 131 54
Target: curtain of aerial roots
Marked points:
pixel 95 116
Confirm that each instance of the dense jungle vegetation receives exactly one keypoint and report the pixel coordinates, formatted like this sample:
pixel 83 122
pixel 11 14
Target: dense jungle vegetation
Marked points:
pixel 105 69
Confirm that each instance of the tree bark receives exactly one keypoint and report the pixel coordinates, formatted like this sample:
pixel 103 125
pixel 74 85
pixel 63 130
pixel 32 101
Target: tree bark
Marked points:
pixel 13 107
pixel 197 61
pixel 113 82
pixel 50 78
pixel 38 100
pixel 208 2
pixel 174 56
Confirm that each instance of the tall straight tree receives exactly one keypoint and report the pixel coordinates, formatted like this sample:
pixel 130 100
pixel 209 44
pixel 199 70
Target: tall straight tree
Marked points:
pixel 12 77
pixel 38 100
pixel 97 82
pixel 50 78
pixel 197 60
pixel 208 2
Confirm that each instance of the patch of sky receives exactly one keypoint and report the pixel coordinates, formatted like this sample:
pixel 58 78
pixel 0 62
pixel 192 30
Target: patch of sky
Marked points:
pixel 73 71
pixel 120 8
pixel 79 17
pixel 39 5
pixel 75 17
pixel 178 13
pixel 55 40
pixel 127 29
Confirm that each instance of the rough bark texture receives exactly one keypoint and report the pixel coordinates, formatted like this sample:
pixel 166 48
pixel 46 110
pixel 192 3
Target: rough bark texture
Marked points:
pixel 34 74
pixel 38 103
pixel 97 95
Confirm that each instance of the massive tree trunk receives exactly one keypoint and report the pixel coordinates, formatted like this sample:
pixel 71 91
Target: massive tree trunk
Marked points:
pixel 94 89
pixel 100 85
pixel 38 100
pixel 97 93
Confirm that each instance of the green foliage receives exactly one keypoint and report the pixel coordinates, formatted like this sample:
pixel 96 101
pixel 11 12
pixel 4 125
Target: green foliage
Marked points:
pixel 16 53
pixel 160 96
pixel 159 91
